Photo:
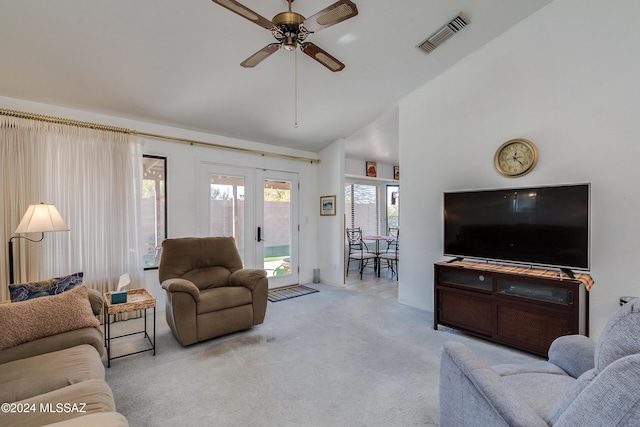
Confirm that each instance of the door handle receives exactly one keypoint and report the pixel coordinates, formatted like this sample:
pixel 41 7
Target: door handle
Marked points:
pixel 259 235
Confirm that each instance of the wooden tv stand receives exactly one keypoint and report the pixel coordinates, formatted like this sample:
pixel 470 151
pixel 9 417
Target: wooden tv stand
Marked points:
pixel 524 308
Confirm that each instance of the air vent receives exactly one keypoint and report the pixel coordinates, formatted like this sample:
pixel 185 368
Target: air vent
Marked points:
pixel 437 38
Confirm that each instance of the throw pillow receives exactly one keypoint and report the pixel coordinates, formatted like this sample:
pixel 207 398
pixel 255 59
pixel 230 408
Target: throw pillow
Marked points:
pixel 53 286
pixel 42 317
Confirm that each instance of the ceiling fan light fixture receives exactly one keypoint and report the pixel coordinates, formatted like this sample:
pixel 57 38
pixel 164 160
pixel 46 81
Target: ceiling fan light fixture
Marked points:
pixel 290 42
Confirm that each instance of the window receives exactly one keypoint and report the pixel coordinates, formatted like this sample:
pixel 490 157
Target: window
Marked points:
pixel 361 208
pixel 393 206
pixel 154 209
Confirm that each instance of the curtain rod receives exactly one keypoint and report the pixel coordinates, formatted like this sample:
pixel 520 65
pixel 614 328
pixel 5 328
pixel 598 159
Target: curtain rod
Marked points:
pixel 57 120
pixel 69 122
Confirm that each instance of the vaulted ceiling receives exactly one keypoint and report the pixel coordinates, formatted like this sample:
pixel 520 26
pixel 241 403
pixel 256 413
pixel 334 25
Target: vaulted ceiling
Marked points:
pixel 178 63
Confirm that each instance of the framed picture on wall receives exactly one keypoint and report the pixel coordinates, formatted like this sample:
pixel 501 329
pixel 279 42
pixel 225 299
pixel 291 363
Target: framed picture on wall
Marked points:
pixel 327 205
pixel 396 173
pixel 372 169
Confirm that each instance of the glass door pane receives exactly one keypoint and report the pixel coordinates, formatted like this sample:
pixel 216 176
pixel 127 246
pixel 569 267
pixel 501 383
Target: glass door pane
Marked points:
pixel 393 206
pixel 154 209
pixel 226 200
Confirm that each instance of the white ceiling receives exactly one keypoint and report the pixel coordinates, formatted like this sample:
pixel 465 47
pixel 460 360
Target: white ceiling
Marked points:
pixel 177 63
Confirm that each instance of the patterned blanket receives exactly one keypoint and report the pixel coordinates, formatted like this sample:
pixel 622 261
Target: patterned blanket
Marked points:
pixel 586 279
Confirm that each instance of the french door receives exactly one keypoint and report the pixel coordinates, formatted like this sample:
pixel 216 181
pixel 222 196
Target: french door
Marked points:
pixel 259 208
pixel 277 225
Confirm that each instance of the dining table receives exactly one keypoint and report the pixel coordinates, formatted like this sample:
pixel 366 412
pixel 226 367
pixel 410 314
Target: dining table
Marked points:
pixel 378 239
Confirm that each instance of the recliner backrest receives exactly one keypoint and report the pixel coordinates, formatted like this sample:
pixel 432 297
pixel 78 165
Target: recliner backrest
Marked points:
pixel 206 261
pixel 607 394
pixel 620 337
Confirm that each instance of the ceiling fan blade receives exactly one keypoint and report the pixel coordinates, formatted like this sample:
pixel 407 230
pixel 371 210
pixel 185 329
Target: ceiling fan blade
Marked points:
pixel 337 12
pixel 245 12
pixel 260 55
pixel 322 56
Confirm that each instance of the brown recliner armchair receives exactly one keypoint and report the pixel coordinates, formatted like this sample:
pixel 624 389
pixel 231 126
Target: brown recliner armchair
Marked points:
pixel 209 294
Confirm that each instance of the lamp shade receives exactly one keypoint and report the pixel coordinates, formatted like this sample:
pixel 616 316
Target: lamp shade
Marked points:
pixel 41 218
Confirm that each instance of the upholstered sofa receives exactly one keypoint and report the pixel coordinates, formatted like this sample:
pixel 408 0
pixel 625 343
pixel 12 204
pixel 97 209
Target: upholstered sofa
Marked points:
pixel 583 383
pixel 209 294
pixel 51 371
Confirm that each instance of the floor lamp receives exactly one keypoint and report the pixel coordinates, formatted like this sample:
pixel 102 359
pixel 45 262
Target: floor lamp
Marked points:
pixel 39 218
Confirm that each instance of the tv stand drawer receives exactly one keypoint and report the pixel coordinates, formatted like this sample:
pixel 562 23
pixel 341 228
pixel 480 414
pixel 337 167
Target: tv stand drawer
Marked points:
pixel 536 291
pixel 463 279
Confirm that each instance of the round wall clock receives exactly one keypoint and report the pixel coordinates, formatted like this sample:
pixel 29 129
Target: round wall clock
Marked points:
pixel 516 157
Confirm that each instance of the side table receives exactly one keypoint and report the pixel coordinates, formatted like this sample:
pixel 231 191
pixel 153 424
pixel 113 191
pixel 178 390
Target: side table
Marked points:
pixel 137 299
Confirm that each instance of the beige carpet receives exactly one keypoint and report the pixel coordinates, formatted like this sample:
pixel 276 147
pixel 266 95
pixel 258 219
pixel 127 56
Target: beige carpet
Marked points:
pixel 333 358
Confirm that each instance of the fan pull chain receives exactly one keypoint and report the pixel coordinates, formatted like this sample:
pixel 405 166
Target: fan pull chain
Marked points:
pixel 295 66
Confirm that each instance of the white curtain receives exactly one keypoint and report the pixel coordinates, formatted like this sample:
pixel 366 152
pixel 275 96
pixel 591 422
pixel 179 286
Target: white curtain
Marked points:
pixel 94 179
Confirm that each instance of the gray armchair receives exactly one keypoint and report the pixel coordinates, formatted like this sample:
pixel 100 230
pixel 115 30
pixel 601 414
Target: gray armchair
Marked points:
pixel 583 384
pixel 209 294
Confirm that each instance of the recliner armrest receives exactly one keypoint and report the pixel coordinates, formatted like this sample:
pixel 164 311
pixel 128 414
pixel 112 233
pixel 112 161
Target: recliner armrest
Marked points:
pixel 182 285
pixel 246 277
pixel 575 354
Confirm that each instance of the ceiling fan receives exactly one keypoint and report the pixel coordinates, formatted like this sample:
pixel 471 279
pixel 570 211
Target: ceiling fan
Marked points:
pixel 291 29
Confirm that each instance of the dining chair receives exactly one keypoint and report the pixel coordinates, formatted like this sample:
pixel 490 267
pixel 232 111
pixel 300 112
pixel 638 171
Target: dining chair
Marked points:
pixel 393 232
pixel 358 250
pixel 392 255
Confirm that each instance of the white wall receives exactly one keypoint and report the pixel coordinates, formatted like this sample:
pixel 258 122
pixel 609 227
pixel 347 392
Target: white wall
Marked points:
pixel 566 78
pixel 330 228
pixel 182 162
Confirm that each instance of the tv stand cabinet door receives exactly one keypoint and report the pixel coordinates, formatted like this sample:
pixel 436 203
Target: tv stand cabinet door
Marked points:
pixel 530 327
pixel 467 311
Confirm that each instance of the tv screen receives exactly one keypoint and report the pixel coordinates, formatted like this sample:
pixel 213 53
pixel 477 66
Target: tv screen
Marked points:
pixel 546 226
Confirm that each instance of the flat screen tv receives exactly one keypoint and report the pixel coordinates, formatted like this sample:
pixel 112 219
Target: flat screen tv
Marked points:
pixel 546 226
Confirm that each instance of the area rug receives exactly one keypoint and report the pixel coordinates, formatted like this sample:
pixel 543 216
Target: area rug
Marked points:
pixel 282 294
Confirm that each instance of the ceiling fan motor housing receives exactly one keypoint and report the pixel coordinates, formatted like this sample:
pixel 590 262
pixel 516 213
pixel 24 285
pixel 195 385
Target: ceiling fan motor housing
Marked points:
pixel 288 18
